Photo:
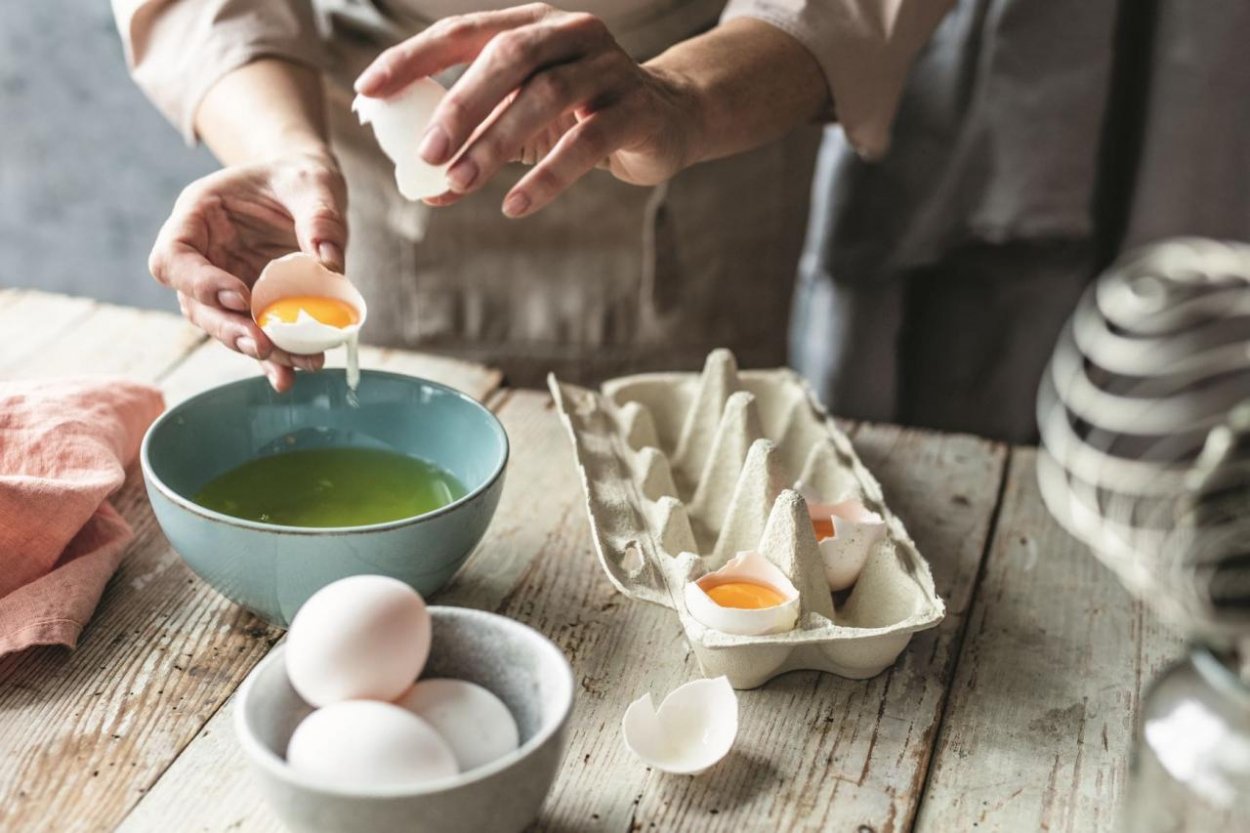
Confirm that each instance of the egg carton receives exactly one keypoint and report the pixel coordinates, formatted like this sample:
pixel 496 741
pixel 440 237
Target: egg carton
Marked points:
pixel 683 470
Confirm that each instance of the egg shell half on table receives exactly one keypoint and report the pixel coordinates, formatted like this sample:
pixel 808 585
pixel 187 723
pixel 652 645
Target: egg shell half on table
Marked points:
pixel 475 723
pixel 750 568
pixel 360 638
pixel 399 122
pixel 298 275
pixel 366 744
pixel 856 530
pixel 694 727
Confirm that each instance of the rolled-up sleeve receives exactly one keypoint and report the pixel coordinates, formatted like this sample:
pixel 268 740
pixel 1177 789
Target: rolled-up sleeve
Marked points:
pixel 865 48
pixel 177 49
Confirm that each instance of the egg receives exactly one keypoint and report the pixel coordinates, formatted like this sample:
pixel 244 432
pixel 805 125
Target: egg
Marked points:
pixel 694 727
pixel 846 532
pixel 364 744
pixel 399 122
pixel 475 723
pixel 363 637
pixel 749 596
pixel 305 308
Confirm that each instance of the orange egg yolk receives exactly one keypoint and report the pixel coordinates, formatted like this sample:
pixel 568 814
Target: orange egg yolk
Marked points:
pixel 823 527
pixel 329 311
pixel 744 594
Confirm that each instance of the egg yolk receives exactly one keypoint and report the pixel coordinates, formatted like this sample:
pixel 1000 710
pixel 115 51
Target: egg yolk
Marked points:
pixel 329 311
pixel 744 594
pixel 823 527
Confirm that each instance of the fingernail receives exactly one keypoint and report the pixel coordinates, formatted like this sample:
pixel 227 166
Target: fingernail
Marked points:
pixel 232 300
pixel 462 174
pixel 247 346
pixel 269 374
pixel 515 204
pixel 435 146
pixel 331 255
pixel 371 79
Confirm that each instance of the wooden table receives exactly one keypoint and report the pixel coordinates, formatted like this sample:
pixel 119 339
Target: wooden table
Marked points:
pixel 1015 714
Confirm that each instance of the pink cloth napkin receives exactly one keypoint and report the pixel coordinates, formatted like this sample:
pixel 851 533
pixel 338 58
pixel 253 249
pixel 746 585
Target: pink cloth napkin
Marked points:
pixel 64 448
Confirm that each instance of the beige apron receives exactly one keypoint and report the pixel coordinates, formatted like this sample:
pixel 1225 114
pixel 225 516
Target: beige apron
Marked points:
pixel 610 278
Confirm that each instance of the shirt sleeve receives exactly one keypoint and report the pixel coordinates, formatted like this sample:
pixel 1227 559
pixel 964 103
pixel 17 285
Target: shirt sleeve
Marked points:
pixel 865 48
pixel 177 49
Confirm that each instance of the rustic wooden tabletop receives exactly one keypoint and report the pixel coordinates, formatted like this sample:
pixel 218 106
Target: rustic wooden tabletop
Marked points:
pixel 1016 714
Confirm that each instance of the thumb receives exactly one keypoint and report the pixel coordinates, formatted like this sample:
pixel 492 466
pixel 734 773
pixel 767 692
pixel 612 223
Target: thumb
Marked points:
pixel 318 208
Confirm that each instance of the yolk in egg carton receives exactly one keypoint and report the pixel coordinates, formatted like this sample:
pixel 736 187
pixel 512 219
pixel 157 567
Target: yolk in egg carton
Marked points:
pixel 732 498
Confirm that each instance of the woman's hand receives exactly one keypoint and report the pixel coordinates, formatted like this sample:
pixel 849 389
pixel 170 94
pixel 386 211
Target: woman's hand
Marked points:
pixel 224 229
pixel 546 87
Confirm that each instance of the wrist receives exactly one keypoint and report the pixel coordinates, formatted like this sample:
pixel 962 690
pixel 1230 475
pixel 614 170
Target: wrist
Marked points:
pixel 690 106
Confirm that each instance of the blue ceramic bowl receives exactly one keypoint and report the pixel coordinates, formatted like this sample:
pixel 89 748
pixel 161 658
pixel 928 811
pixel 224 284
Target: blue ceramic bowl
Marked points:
pixel 271 569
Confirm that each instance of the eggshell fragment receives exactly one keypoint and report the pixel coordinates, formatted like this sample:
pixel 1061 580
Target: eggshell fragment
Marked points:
pixel 694 727
pixel 366 744
pixel 363 637
pixel 856 530
pixel 399 122
pixel 751 567
pixel 301 274
pixel 475 723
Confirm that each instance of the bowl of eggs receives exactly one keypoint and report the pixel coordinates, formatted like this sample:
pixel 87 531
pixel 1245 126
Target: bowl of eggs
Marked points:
pixel 269 497
pixel 381 714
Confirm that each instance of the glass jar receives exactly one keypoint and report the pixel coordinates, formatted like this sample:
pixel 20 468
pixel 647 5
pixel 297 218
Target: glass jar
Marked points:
pixel 1191 761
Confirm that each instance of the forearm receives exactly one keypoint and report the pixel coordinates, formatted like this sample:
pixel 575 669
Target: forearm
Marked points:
pixel 750 82
pixel 262 110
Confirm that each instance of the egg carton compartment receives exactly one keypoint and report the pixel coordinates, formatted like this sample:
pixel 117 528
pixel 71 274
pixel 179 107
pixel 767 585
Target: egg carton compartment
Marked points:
pixel 682 471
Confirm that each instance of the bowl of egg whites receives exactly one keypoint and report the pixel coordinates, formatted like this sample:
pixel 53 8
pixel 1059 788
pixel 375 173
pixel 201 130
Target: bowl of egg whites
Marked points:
pixel 379 713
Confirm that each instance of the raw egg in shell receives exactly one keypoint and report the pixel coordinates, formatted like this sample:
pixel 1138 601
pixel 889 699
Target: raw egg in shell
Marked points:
pixel 749 596
pixel 305 308
pixel 846 533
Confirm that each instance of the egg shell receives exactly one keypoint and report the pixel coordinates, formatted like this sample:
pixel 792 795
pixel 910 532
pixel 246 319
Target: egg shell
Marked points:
pixel 694 727
pixel 362 637
pixel 399 122
pixel 751 567
pixel 301 274
pixel 475 723
pixel 367 744
pixel 857 529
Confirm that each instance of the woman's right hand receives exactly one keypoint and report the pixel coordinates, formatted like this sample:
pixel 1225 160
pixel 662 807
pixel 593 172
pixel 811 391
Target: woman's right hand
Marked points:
pixel 225 227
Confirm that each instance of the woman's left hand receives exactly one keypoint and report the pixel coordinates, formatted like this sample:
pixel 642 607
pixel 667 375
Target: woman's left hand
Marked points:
pixel 546 87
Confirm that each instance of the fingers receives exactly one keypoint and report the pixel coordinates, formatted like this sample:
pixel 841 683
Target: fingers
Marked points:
pixel 504 64
pixel 280 377
pixel 543 101
pixel 450 41
pixel 316 196
pixel 582 148
pixel 176 262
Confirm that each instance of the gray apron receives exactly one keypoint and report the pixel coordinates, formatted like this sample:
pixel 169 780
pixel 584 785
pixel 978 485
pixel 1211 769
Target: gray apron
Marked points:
pixel 608 279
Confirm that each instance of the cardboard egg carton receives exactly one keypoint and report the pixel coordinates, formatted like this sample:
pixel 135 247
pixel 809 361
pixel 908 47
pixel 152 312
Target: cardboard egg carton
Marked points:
pixel 684 470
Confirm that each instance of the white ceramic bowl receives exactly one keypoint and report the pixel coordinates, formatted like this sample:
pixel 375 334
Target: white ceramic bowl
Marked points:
pixel 518 664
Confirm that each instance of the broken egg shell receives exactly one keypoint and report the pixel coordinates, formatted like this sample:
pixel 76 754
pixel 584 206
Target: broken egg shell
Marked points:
pixel 301 274
pixel 399 122
pixel 694 727
pixel 856 530
pixel 749 567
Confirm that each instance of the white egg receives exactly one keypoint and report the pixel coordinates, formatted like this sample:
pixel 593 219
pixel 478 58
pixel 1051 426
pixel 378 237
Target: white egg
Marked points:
pixel 754 568
pixel 694 727
pixel 363 744
pixel 856 530
pixel 399 122
pixel 360 638
pixel 475 723
pixel 299 274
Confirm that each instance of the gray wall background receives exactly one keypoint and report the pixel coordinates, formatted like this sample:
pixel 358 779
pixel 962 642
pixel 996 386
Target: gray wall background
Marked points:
pixel 88 169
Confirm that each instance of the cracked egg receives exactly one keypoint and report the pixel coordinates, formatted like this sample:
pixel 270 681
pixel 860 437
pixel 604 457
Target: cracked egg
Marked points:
pixel 749 596
pixel 846 532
